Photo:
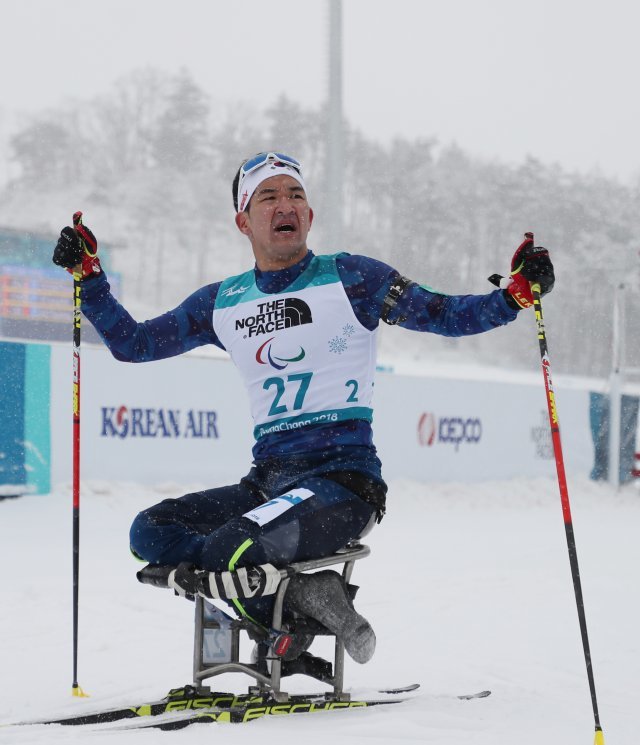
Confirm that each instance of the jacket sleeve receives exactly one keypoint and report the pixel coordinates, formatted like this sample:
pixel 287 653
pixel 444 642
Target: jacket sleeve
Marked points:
pixel 186 327
pixel 419 308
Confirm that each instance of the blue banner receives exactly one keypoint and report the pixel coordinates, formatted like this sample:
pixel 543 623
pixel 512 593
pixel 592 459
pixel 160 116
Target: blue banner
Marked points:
pixel 599 418
pixel 25 441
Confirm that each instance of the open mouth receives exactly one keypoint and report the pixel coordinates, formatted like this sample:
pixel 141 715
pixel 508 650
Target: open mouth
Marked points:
pixel 285 228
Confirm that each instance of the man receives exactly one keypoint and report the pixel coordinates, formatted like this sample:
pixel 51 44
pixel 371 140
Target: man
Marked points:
pixel 302 331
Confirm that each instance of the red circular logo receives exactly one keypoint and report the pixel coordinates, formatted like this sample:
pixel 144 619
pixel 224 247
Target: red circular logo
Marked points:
pixel 426 429
pixel 121 415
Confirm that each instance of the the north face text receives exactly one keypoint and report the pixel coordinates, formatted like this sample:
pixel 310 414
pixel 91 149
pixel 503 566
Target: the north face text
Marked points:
pixel 275 315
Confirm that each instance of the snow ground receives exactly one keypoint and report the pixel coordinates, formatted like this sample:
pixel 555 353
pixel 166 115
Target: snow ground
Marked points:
pixel 468 587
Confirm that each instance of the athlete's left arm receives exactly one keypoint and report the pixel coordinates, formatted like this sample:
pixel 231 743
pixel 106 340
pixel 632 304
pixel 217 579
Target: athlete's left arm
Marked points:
pixel 378 291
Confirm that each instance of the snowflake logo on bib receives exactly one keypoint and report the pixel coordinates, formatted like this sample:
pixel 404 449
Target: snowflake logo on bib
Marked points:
pixel 338 345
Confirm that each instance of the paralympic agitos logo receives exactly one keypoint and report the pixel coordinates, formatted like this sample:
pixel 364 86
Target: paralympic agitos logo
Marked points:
pixel 275 315
pixel 282 362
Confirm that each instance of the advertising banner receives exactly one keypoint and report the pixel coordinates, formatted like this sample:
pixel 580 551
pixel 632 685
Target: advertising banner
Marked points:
pixel 435 429
pixel 184 419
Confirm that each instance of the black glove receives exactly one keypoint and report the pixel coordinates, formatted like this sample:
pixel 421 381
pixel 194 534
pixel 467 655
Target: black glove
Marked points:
pixel 68 251
pixel 77 245
pixel 534 264
pixel 529 264
pixel 186 579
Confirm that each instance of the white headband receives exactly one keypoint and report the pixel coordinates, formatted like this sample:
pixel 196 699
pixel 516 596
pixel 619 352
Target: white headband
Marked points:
pixel 250 182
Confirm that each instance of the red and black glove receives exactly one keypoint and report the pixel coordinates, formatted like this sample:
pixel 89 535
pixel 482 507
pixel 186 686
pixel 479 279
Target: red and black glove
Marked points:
pixel 77 245
pixel 529 264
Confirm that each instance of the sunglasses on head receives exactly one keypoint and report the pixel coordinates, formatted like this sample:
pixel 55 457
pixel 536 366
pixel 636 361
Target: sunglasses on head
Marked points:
pixel 264 158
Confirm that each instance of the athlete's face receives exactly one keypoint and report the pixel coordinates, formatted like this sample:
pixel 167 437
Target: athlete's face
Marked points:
pixel 277 223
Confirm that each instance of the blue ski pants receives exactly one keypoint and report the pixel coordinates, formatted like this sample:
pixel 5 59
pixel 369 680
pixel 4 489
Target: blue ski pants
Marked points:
pixel 231 527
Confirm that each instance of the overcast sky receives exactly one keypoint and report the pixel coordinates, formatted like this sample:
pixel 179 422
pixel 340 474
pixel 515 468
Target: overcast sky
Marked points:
pixel 556 79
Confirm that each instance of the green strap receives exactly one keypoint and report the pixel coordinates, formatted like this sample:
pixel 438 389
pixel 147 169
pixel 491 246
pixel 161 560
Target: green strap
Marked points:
pixel 232 565
pixel 238 553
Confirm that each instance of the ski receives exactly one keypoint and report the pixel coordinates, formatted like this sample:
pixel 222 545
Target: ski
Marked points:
pixel 403 689
pixel 469 696
pixel 186 698
pixel 296 705
pixel 251 711
pixel 187 703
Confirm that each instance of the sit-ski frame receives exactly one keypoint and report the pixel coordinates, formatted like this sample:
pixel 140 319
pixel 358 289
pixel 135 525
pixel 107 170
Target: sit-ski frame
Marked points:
pixel 270 683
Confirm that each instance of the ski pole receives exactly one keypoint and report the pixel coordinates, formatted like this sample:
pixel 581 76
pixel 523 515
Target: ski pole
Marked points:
pixel 564 497
pixel 76 690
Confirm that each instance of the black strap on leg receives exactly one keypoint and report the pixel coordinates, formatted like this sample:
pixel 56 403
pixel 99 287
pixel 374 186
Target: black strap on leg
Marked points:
pixel 189 580
pixel 370 490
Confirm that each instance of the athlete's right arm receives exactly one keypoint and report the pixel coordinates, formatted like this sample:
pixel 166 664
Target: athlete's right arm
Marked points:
pixel 181 329
pixel 186 327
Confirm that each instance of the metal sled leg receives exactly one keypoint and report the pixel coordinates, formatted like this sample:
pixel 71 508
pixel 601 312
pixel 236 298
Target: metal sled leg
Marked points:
pixel 217 637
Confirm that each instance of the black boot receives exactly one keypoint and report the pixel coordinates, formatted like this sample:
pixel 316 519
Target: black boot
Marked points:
pixel 323 596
